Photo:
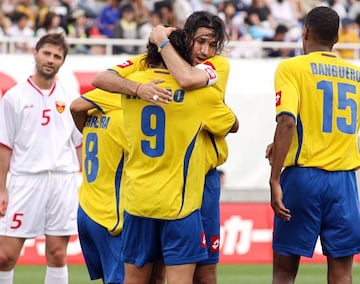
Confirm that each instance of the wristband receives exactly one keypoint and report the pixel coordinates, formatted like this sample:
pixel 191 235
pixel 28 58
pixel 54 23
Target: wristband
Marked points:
pixel 137 89
pixel 162 45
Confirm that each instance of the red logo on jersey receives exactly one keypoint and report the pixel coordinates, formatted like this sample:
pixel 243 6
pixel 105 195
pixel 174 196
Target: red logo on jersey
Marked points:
pixel 60 106
pixel 211 73
pixel 203 240
pixel 215 244
pixel 278 98
pixel 125 64
pixel 210 64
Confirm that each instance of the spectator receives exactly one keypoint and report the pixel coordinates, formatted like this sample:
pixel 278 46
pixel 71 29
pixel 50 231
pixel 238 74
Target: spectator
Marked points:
pixel 166 12
pixel 126 28
pixel 108 17
pixel 26 7
pixel 233 19
pixel 21 30
pixel 286 12
pixel 52 24
pixel 42 11
pixel 260 21
pixel 353 9
pixel 146 28
pixel 280 35
pixel 349 33
pixel 79 27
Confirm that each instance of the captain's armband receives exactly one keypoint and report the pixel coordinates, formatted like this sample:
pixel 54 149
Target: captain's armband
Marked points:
pixel 210 72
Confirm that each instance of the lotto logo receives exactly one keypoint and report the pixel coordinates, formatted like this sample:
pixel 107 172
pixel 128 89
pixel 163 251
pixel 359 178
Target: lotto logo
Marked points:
pixel 125 64
pixel 215 244
pixel 278 98
pixel 203 240
pixel 211 73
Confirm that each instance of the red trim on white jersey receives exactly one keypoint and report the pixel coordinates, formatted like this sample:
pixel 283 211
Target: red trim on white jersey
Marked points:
pixel 38 90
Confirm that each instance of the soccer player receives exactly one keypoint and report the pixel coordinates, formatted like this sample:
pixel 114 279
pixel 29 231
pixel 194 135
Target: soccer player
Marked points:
pixel 317 114
pixel 205 36
pixel 99 116
pixel 166 157
pixel 38 141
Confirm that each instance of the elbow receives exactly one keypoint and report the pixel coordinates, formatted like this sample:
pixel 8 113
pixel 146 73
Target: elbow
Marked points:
pixel 96 81
pixel 235 126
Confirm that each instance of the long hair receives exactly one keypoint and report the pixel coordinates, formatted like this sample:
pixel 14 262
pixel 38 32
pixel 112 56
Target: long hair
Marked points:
pixel 177 39
pixel 205 19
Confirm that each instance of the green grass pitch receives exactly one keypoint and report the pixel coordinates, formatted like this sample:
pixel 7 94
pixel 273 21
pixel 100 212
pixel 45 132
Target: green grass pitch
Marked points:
pixel 227 274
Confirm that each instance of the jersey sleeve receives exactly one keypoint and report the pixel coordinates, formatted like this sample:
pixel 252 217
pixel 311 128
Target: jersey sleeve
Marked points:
pixel 103 100
pixel 218 118
pixel 130 66
pixel 221 65
pixel 7 121
pixel 286 90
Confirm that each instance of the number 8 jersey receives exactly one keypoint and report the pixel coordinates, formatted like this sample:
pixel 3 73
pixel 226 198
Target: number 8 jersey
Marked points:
pixel 328 84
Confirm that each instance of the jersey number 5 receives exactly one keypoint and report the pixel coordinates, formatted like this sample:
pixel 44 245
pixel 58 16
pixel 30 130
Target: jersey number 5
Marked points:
pixel 343 101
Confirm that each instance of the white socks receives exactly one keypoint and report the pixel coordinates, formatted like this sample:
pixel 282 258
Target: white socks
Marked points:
pixel 7 277
pixel 55 275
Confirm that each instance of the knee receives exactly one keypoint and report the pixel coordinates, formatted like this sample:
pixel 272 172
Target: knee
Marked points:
pixel 56 257
pixel 205 274
pixel 7 260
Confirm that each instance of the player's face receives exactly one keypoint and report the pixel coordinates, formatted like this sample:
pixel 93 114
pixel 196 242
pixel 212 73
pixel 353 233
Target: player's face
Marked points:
pixel 48 60
pixel 204 45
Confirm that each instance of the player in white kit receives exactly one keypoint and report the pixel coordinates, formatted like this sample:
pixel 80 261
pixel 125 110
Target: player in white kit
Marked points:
pixel 39 148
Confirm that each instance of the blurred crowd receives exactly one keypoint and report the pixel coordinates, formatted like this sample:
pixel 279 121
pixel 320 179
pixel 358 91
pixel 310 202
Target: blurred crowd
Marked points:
pixel 246 20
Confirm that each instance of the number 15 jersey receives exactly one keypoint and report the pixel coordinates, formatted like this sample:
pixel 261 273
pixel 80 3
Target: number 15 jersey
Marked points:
pixel 322 92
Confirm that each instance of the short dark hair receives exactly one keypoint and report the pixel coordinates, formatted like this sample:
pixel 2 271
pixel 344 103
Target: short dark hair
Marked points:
pixel 323 22
pixel 205 19
pixel 177 40
pixel 54 39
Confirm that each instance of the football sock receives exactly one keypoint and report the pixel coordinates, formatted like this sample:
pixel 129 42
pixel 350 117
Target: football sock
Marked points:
pixel 56 275
pixel 7 277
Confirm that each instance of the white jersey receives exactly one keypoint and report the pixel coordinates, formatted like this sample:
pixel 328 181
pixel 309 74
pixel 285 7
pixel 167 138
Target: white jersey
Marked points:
pixel 39 129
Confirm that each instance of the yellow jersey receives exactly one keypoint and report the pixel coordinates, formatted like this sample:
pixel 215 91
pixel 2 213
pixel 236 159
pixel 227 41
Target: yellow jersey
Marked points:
pixel 165 168
pixel 321 91
pixel 100 194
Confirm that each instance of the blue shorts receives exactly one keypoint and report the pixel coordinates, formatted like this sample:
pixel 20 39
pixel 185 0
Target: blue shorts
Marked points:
pixel 210 215
pixel 177 242
pixel 101 250
pixel 321 203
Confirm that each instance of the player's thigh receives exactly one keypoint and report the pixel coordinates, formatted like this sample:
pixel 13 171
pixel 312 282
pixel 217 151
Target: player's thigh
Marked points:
pixel 302 189
pixel 62 205
pixel 183 240
pixel 339 236
pixel 25 216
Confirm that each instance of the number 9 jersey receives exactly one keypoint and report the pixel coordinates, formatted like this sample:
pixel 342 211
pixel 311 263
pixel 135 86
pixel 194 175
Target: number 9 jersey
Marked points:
pixel 332 85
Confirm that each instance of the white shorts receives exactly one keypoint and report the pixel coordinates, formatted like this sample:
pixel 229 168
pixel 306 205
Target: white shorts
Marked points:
pixel 41 204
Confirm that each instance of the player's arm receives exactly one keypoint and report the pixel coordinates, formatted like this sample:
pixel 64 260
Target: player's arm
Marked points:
pixel 5 155
pixel 282 140
pixel 235 127
pixel 79 108
pixel 187 76
pixel 111 81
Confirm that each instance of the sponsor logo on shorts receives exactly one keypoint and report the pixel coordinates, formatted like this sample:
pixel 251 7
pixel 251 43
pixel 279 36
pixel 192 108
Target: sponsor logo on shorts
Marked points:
pixel 215 244
pixel 203 240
